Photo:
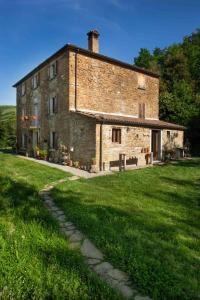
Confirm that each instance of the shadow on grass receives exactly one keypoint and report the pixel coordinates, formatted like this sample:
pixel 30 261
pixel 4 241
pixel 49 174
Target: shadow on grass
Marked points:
pixel 61 271
pixel 158 248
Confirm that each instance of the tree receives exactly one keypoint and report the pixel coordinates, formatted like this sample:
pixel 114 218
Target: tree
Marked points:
pixel 179 68
pixel 144 59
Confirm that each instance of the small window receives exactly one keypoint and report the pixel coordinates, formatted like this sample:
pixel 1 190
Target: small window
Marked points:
pixel 52 105
pixel 23 90
pixel 168 135
pixel 52 70
pixel 141 109
pixel 116 135
pixel 53 140
pixel 141 82
pixel 35 81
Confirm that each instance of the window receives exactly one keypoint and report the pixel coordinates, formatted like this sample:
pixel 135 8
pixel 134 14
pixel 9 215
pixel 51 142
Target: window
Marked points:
pixel 141 82
pixel 141 112
pixel 23 90
pixel 24 140
pixel 52 70
pixel 53 140
pixel 52 105
pixel 168 135
pixel 35 81
pixel 116 135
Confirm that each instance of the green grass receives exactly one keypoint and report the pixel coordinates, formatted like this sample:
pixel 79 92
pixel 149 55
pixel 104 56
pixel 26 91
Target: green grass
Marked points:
pixel 36 262
pixel 147 222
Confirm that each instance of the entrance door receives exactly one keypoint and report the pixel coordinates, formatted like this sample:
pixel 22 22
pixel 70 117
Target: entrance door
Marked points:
pixel 155 144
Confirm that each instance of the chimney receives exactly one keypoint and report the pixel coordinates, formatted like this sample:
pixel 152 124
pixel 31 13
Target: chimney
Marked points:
pixel 93 40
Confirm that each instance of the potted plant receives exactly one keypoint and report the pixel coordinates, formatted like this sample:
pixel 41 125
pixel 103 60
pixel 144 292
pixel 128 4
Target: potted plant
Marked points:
pixel 76 164
pixel 45 154
pixel 70 162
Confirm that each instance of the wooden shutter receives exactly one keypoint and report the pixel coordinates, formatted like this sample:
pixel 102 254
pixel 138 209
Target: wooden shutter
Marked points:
pixel 55 67
pixel 48 71
pixel 119 136
pixel 140 110
pixel 143 110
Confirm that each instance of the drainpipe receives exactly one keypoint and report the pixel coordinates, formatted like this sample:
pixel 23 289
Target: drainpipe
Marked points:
pixel 75 100
pixel 101 148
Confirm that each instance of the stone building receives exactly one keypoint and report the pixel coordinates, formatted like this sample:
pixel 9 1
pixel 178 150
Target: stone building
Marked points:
pixel 96 107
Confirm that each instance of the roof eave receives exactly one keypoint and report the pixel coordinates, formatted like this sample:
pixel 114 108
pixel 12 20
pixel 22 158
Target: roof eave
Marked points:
pixel 89 53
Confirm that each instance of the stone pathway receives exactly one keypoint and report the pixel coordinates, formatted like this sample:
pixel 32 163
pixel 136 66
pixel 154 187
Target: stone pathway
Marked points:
pixel 78 172
pixel 93 256
pixel 72 170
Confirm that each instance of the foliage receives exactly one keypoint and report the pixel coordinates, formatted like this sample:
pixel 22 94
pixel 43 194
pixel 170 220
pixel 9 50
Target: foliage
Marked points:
pixel 7 126
pixel 36 261
pixel 179 68
pixel 146 222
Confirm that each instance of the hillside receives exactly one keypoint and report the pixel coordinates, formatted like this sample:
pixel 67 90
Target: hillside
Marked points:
pixel 7 125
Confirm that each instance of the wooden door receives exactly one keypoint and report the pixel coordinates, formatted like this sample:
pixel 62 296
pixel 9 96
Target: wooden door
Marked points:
pixel 155 144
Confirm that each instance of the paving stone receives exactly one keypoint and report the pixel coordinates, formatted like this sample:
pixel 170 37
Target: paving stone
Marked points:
pixel 138 297
pixel 77 236
pixel 126 291
pixel 93 261
pixel 68 223
pixel 53 213
pixel 74 245
pixel 54 208
pixel 89 250
pixel 103 268
pixel 74 178
pixel 68 233
pixel 61 217
pixel 118 275
pixel 59 212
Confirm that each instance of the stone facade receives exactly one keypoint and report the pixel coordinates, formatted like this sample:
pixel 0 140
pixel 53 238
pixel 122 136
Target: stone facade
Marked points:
pixel 106 87
pixel 85 81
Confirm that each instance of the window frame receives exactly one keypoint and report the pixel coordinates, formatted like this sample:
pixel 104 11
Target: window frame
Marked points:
pixel 116 135
pixel 52 70
pixel 168 135
pixel 35 81
pixel 52 105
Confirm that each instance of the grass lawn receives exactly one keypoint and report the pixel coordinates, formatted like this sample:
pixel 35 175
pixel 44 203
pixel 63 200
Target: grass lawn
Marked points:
pixel 36 262
pixel 147 222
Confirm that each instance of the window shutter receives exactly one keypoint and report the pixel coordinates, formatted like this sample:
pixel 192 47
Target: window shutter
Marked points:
pixel 48 106
pixel 56 140
pixel 119 134
pixel 56 104
pixel 143 113
pixel 38 79
pixel 48 72
pixel 50 140
pixel 55 68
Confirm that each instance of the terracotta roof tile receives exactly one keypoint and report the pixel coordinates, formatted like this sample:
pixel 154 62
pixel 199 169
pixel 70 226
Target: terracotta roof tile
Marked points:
pixel 138 122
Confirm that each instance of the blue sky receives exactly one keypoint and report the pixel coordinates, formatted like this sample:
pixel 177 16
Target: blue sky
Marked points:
pixel 31 30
